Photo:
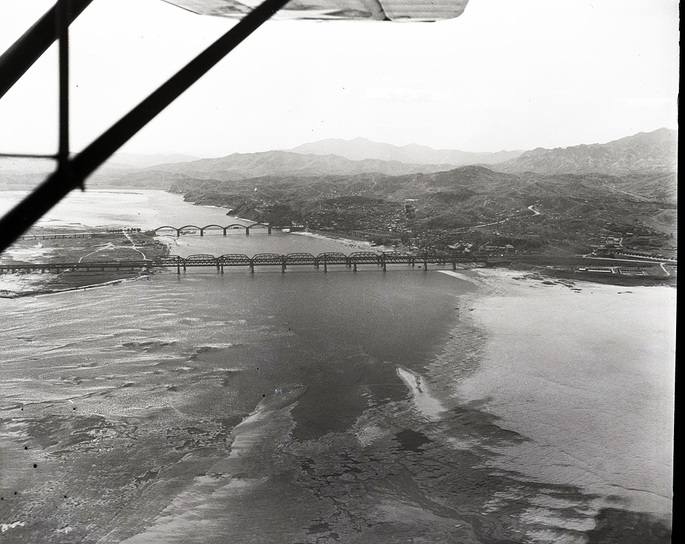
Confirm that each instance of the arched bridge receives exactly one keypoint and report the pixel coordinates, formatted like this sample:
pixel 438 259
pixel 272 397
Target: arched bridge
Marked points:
pixel 194 229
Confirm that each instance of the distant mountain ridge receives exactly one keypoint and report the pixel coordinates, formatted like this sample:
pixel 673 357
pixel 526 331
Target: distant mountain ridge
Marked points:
pixel 362 148
pixel 285 163
pixel 645 152
pixel 652 152
pixel 144 161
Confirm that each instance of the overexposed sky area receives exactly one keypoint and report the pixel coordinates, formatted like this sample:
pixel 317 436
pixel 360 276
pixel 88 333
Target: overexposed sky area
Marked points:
pixel 507 74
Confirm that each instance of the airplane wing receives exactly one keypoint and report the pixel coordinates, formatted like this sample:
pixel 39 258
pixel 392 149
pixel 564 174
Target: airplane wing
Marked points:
pixel 382 10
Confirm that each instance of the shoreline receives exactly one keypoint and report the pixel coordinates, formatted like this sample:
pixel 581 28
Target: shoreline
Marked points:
pixel 75 281
pixel 460 410
pixel 42 287
pixel 75 245
pixel 363 245
pixel 586 389
pixel 396 457
pixel 88 286
pixel 360 244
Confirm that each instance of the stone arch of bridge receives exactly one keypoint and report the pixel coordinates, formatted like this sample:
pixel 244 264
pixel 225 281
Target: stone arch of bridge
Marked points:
pixel 166 227
pixel 235 226
pixel 258 225
pixel 181 229
pixel 213 227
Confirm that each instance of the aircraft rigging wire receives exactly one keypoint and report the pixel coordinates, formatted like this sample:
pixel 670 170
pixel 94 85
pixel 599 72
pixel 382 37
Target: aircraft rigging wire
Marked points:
pixel 75 171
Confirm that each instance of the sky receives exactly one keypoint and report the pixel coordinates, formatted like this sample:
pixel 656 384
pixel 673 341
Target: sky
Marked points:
pixel 505 75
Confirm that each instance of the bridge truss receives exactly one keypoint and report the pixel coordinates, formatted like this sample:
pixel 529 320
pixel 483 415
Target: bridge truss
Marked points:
pixel 233 260
pixel 71 172
pixel 236 260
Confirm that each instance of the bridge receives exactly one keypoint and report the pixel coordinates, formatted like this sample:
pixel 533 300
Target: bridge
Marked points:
pixel 194 229
pixel 86 266
pixel 322 260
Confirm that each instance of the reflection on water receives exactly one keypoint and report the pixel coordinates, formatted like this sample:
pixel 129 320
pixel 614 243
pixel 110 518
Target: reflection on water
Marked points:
pixel 297 407
pixel 120 208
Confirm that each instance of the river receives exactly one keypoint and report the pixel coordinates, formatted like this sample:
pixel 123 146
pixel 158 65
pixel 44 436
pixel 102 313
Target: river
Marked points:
pixel 407 406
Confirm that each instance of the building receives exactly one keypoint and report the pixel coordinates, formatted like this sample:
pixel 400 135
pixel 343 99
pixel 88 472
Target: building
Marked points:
pixel 410 207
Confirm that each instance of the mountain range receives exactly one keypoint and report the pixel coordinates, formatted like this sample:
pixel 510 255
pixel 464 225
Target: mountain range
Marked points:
pixel 560 199
pixel 654 152
pixel 578 193
pixel 287 163
pixel 644 152
pixel 650 152
pixel 361 148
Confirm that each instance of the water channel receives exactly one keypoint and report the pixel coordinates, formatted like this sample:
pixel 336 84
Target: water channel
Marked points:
pixel 338 407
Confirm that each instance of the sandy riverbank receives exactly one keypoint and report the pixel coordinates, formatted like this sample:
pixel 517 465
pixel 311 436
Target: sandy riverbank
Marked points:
pixel 586 372
pixel 130 426
pixel 80 248
pixel 350 242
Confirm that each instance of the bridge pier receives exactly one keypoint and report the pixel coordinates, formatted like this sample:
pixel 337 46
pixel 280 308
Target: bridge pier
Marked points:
pixel 381 260
pixel 269 229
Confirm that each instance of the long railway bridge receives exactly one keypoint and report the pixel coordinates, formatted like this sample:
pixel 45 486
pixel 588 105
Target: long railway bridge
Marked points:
pixel 85 266
pixel 320 261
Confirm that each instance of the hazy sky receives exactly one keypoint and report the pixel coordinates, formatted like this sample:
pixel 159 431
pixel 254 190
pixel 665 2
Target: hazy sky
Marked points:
pixel 507 74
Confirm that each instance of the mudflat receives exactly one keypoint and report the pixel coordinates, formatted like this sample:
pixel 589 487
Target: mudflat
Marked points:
pixel 337 408
pixel 68 245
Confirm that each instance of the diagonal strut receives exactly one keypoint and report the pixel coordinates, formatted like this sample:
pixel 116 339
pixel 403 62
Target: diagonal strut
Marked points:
pixel 77 169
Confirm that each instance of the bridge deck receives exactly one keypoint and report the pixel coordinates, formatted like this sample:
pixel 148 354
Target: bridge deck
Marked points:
pixel 238 260
pixel 87 266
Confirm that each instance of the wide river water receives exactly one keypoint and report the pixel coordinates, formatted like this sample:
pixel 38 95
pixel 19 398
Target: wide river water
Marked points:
pixel 481 406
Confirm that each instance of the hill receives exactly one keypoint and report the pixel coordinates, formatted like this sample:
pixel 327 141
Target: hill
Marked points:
pixel 646 152
pixel 131 160
pixel 361 148
pixel 472 204
pixel 284 163
pixel 569 200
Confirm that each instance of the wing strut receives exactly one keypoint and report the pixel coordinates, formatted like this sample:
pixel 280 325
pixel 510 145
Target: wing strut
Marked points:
pixel 35 41
pixel 74 171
